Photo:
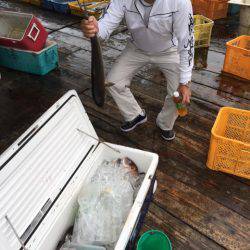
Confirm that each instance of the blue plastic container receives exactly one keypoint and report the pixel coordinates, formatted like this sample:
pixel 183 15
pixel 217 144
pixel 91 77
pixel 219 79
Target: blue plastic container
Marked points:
pixel 233 9
pixel 39 63
pixel 61 6
pixel 57 5
pixel 47 4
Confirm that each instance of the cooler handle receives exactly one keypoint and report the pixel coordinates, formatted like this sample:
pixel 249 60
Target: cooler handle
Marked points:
pixel 34 27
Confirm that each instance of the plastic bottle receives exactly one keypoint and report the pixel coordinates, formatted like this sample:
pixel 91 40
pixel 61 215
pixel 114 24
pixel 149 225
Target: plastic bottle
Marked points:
pixel 181 108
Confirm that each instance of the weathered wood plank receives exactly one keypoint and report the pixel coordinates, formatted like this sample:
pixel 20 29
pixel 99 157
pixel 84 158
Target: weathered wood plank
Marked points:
pixel 182 235
pixel 117 41
pixel 63 46
pixel 209 183
pixel 215 61
pixel 203 214
pixel 217 47
pixel 223 84
pixel 70 40
pixel 8 75
pixel 170 226
pixel 25 98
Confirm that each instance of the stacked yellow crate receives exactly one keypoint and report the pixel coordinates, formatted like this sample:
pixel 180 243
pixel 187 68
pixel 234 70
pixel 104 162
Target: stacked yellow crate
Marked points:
pixel 202 33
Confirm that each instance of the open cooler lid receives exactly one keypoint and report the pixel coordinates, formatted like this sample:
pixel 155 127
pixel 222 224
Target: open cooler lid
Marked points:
pixel 37 167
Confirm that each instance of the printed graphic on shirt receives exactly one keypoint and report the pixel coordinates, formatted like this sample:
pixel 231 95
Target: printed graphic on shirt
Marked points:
pixel 190 42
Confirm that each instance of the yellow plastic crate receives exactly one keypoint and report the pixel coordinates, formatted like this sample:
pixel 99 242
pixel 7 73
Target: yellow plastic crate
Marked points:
pixel 237 58
pixel 230 142
pixel 76 10
pixel 202 31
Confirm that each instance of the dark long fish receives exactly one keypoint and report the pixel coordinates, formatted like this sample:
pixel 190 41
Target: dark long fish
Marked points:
pixel 97 72
pixel 97 69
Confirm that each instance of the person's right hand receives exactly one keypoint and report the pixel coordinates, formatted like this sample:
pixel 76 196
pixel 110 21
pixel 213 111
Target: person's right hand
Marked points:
pixel 89 27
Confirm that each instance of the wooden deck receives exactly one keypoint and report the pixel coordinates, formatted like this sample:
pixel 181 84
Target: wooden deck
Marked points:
pixel 196 207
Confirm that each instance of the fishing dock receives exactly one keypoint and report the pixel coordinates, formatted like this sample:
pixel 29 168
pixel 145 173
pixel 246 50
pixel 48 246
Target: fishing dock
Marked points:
pixel 196 207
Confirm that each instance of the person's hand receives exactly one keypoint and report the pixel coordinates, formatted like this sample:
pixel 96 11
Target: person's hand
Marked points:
pixel 89 27
pixel 186 93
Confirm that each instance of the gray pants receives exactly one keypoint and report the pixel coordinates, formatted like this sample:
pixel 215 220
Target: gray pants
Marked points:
pixel 126 66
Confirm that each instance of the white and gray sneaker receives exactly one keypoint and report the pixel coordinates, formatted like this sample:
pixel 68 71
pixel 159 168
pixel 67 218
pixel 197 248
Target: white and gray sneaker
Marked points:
pixel 130 125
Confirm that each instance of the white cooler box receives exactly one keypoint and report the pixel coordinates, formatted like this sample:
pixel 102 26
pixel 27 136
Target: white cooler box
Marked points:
pixel 42 173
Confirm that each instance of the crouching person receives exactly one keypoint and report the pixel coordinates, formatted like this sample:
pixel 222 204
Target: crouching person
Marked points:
pixel 162 35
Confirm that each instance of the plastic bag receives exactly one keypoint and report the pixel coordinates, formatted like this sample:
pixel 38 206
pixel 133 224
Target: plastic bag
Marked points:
pixel 104 205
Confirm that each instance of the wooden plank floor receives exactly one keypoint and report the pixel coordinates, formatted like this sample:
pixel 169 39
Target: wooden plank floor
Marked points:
pixel 196 207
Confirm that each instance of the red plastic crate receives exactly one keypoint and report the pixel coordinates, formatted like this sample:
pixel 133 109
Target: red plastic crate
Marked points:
pixel 213 9
pixel 22 31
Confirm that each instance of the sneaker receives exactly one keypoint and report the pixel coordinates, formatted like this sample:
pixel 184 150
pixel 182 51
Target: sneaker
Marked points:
pixel 128 126
pixel 168 135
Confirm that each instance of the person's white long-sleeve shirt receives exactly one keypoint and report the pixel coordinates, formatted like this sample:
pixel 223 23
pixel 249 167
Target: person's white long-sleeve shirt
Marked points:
pixel 170 24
